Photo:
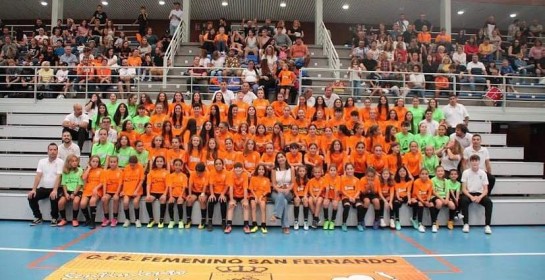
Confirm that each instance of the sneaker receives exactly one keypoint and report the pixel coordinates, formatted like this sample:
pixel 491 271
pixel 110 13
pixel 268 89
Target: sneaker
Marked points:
pixel 331 225
pixel 296 225
pixel 138 224
pixel 392 224
pixel 61 223
pixel 151 224
pixel 398 225
pixel 127 224
pixel 181 225
pixel 254 229
pixel 314 224
pixel 92 225
pixel 465 228
pixel 286 230
pixel 434 228
pixel 460 216
pixel 160 225
pixel 113 222
pixel 305 225
pixel 246 229
pixel 375 224
pixel 36 222
pixel 415 223
pixel 360 227
pixel 209 227
pixel 105 222
pixel 188 225
pixel 201 226
pixel 171 224
pixel 227 229
pixel 487 230
pixel 421 228
pixel 450 225
pixel 54 222
pixel 75 223
pixel 344 227
pixel 264 230
pixel 382 223
pixel 325 226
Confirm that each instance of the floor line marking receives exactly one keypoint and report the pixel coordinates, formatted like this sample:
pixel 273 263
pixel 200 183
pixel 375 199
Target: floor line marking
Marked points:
pixel 36 262
pixel 507 254
pixel 427 251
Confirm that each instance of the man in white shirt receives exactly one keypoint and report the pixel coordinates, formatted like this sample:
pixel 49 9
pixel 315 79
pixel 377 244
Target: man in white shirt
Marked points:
pixel 76 123
pixel 475 190
pixel 311 101
pixel 249 96
pixel 462 135
pixel 455 113
pixel 431 124
pixel 475 67
pixel 68 147
pixel 228 95
pixel 484 163
pixel 126 74
pixel 46 183
pixel 330 97
pixel 175 18
pixel 106 123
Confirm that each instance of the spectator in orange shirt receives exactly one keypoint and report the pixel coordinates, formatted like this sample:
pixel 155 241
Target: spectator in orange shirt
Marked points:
pixel 104 75
pixel 85 75
pixel 299 51
pixel 286 80
pixel 424 37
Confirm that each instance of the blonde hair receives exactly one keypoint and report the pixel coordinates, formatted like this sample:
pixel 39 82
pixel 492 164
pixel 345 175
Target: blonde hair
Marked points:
pixel 67 168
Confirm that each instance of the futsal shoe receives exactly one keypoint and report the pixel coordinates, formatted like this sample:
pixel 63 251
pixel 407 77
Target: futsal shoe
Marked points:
pixel 181 225
pixel 105 222
pixel 264 230
pixel 138 224
pixel 209 227
pixel 392 224
pixel 61 223
pixel 247 229
pixel 421 228
pixel 487 230
pixel 450 225
pixel 36 222
pixel 254 229
pixel 75 223
pixel 127 224
pixel 113 222
pixel 161 225
pixel 151 224
pixel 398 225
pixel 331 225
pixel 344 228
pixel 434 228
pixel 305 225
pixel 296 225
pixel 325 226
pixel 382 223
pixel 360 227
pixel 465 229
pixel 228 229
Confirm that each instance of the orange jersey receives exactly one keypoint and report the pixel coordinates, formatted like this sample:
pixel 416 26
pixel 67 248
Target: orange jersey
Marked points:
pixel 131 135
pixel 349 187
pixel 268 123
pixel 413 162
pixel 198 183
pixel 239 184
pixel 365 113
pixel 268 159
pixel 112 179
pixel 191 159
pixel 385 189
pixel 369 186
pixel 378 163
pixel 337 159
pixel 331 186
pixel 300 189
pixel 353 141
pixel 422 189
pixel 132 179
pixel 296 159
pixel 154 152
pixel 371 142
pixel 359 161
pixel 260 185
pixel 315 187
pixel 401 111
pixel 314 160
pixel 172 155
pixel 157 181
pixel 177 184
pixel 278 107
pixel 230 158
pixel 260 141
pixel 219 180
pixel 147 139
pixel 157 121
pixel 394 162
pixel 403 189
pixel 250 161
pixel 260 107
pixel 93 180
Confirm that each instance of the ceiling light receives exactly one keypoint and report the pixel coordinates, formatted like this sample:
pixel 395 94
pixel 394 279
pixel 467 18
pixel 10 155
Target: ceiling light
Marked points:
pixel 43 3
pixel 461 12
pixel 224 3
pixel 283 4
pixel 105 3
pixel 345 6
pixel 161 3
pixel 513 15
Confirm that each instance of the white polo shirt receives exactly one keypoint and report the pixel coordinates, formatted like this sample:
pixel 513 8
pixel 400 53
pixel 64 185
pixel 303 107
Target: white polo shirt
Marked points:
pixel 83 118
pixel 50 170
pixel 455 114
pixel 475 180
pixel 464 141
pixel 482 153
pixel 65 151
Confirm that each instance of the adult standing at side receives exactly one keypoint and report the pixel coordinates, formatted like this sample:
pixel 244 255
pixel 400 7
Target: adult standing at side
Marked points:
pixel 175 17
pixel 68 146
pixel 282 177
pixel 455 113
pixel 477 149
pixel 475 190
pixel 76 123
pixel 46 183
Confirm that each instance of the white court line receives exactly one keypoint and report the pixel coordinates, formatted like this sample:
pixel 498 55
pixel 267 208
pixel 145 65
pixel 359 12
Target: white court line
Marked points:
pixel 267 256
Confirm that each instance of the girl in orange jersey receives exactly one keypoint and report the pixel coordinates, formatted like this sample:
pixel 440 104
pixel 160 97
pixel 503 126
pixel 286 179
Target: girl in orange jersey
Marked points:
pixel 250 158
pixel 286 119
pixel 158 118
pixel 219 185
pixel 277 137
pixel 147 102
pixel 349 107
pixel 302 105
pixel 219 101
pixel 312 159
pixel 167 134
pixel 383 108
pixel 368 190
pixel 178 99
pixel 267 159
pixel 215 116
pixel 157 190
pixel 233 118
pixel 279 105
pixel 127 129
pixel 392 120
pixel 336 155
pixel 413 159
pixel 157 148
pixel 147 136
pixel 374 137
pixel 269 119
pixel 358 136
pixel 189 130
pixel 292 136
pixel 211 153
pixel 400 109
pixel 302 122
pixel 162 99
pixel 402 193
pixel 389 137
pixel 385 191
pixel 196 98
pixel 300 192
pixel 238 193
pixel 420 198
pixel 395 160
pixel 229 155
pixel 261 103
pixel 198 186
pixel 112 179
pixel 315 189
pixel 260 188
pixel 312 136
pixel 251 117
pixel 241 137
pixel 350 195
pixel 321 106
pixel 359 158
pixel 175 152
pixel 377 160
pixel 194 153
pixel 177 185
pixel 261 138
pixel 330 195
pixel 320 122
pixel 327 140
pixel 92 190
pixel 294 157
pixel 133 178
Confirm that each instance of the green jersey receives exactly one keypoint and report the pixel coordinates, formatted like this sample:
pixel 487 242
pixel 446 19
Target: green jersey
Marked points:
pixel 418 116
pixel 404 140
pixel 440 187
pixel 453 186
pixel 102 151
pixel 139 123
pixel 132 110
pixel 440 141
pixel 112 107
pixel 423 141
pixel 430 163
pixel 143 157
pixel 438 115
pixel 123 155
pixel 72 180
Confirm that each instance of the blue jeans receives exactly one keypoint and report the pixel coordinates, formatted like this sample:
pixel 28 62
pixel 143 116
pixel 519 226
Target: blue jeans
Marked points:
pixel 473 81
pixel 356 88
pixel 281 206
pixel 172 29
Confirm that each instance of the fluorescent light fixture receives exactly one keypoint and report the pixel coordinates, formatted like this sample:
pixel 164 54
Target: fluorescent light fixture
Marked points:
pixel 346 6
pixel 461 12
pixel 224 3
pixel 161 3
pixel 43 3
pixel 283 4
pixel 105 3
pixel 513 15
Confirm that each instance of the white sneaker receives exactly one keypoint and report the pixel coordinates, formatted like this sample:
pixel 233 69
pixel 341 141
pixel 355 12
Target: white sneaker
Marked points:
pixel 138 223
pixel 296 225
pixel 487 230
pixel 465 228
pixel 392 224
pixel 305 225
pixel 382 223
pixel 126 224
pixel 421 228
pixel 434 228
pixel 460 216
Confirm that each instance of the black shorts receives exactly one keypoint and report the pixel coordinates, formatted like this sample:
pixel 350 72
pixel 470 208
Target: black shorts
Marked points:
pixel 238 199
pixel 80 193
pixel 370 196
pixel 434 199
pixel 156 195
pixel 403 200
pixel 197 194
pixel 353 204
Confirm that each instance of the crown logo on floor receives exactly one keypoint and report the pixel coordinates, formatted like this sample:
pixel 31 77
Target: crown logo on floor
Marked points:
pixel 241 269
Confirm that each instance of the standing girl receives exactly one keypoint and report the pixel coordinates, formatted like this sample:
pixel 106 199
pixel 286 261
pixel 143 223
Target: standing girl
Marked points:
pixel 219 185
pixel 440 196
pixel 385 191
pixel 453 188
pixel 198 185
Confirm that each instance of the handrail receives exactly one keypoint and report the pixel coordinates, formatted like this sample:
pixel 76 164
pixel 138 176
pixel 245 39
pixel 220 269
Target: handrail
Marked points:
pixel 329 48
pixel 168 60
pixel 12 27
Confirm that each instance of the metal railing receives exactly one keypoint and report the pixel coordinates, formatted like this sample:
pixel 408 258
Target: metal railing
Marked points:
pixel 168 60
pixel 329 49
